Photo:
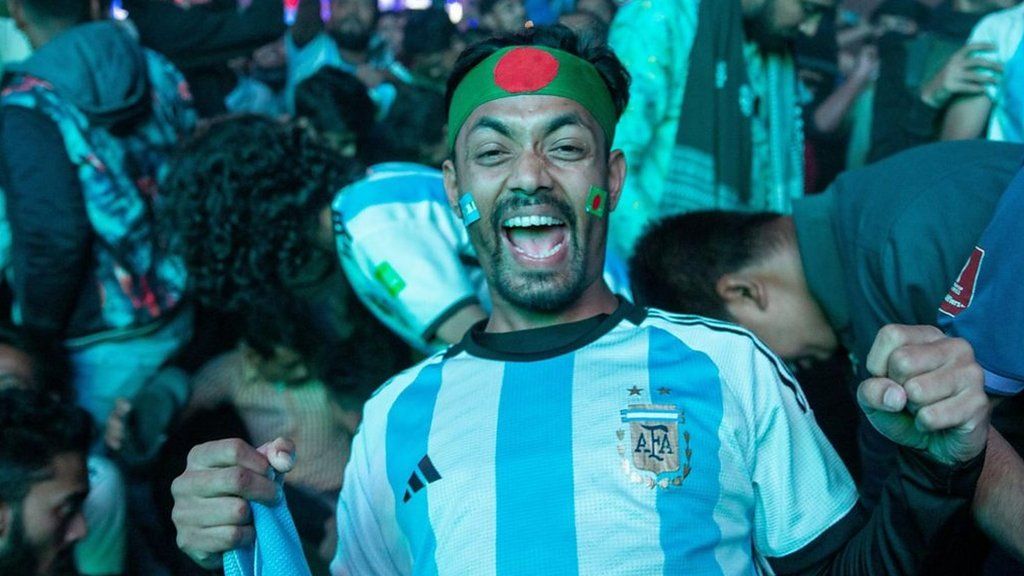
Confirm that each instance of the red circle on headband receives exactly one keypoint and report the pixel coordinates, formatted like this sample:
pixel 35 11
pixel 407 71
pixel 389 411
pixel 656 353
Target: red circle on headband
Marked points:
pixel 525 70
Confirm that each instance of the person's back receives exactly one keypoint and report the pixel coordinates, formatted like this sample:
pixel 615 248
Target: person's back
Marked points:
pixel 86 262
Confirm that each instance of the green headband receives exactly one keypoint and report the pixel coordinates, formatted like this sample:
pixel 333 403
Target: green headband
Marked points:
pixel 532 70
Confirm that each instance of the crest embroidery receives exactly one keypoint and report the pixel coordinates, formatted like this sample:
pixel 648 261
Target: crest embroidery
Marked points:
pixel 652 453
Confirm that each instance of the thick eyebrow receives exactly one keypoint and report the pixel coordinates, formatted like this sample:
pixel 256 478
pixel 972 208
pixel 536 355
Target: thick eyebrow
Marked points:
pixel 570 119
pixel 492 124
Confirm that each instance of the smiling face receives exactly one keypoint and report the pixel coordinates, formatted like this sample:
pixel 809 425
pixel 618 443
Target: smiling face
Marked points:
pixel 529 163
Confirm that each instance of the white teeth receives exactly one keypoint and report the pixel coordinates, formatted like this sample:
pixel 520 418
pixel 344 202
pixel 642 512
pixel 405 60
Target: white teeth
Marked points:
pixel 528 221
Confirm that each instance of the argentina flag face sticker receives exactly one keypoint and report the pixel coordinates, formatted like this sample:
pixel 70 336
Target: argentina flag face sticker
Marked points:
pixel 470 214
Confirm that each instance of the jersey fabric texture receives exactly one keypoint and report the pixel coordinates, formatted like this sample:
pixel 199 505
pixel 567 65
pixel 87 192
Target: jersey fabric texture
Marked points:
pixel 408 257
pixel 632 443
pixel 276 552
pixel 1004 30
pixel 985 305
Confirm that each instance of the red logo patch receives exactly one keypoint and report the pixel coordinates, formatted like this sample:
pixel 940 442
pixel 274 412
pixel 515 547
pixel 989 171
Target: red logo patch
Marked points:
pixel 525 70
pixel 962 292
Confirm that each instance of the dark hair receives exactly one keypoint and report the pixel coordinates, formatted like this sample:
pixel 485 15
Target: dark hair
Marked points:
pixel 612 72
pixel 68 10
pixel 594 30
pixel 288 322
pixel 243 200
pixel 335 101
pixel 36 428
pixel 677 262
pixel 416 120
pixel 50 367
pixel 427 31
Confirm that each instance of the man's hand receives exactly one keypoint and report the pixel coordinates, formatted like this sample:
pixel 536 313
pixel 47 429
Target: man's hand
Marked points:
pixel 927 393
pixel 965 73
pixel 116 430
pixel 211 508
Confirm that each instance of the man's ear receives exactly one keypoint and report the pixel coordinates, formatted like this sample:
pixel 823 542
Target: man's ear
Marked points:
pixel 738 290
pixel 616 177
pixel 451 186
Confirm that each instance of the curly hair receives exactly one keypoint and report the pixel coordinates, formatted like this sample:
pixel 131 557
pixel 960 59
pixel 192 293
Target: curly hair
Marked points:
pixel 244 199
pixel 36 427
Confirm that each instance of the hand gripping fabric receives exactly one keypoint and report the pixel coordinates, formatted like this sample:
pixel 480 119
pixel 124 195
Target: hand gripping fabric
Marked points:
pixel 277 550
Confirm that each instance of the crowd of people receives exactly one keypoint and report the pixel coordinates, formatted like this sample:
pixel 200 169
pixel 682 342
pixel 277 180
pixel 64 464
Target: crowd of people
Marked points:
pixel 511 287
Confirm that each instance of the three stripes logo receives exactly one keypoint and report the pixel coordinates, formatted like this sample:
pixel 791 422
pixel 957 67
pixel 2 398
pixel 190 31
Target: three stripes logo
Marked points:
pixel 424 474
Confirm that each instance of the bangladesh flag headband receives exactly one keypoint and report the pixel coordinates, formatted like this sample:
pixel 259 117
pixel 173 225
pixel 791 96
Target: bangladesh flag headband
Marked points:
pixel 532 70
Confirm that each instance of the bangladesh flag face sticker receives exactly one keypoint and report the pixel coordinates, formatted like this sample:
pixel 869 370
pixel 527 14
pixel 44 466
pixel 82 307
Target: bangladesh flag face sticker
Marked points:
pixel 596 201
pixel 389 278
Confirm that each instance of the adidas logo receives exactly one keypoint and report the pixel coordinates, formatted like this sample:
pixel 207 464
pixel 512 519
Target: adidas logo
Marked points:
pixel 424 474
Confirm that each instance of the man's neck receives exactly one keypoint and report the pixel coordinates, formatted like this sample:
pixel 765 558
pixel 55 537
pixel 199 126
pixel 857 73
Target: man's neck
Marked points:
pixel 507 317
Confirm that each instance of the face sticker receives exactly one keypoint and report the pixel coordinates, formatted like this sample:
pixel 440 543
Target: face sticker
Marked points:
pixel 389 278
pixel 596 201
pixel 470 214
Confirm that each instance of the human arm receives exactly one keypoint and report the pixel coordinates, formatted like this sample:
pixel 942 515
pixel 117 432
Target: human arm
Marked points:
pixel 966 118
pixel 211 497
pixel 50 229
pixel 999 502
pixel 829 115
pixel 926 395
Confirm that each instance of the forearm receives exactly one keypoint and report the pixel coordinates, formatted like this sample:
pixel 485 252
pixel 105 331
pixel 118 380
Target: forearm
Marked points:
pixel 829 115
pixel 920 499
pixel 999 501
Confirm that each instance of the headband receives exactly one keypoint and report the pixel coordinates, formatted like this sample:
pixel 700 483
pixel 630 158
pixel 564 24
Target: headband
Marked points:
pixel 532 70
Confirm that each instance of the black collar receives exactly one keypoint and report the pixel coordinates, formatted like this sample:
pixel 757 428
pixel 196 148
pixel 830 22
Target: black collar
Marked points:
pixel 543 343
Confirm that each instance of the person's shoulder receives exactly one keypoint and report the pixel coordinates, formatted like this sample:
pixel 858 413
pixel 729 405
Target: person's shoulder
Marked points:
pixel 740 358
pixel 715 338
pixel 376 409
pixel 389 190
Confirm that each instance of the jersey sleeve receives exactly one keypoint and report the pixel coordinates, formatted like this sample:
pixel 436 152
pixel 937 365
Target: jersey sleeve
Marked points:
pixel 801 488
pixel 361 549
pixel 409 273
pixel 985 304
pixel 991 30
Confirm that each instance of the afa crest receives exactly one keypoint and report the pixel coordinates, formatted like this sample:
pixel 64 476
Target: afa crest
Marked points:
pixel 653 454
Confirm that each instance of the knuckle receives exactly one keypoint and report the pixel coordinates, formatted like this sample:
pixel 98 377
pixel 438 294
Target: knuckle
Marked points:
pixel 962 348
pixel 901 361
pixel 235 535
pixel 240 511
pixel 235 448
pixel 890 333
pixel 239 479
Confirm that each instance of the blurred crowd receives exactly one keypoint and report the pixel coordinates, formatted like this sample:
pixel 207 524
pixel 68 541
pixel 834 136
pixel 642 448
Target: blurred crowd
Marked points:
pixel 227 218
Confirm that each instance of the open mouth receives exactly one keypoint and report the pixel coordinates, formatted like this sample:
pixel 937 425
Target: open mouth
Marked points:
pixel 536 238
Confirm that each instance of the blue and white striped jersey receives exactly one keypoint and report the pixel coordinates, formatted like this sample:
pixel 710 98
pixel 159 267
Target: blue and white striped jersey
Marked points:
pixel 634 443
pixel 409 258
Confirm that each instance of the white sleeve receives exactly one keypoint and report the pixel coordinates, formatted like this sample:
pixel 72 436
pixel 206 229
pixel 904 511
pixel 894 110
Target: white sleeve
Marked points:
pixel 362 550
pixel 801 487
pixel 410 274
pixel 992 30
